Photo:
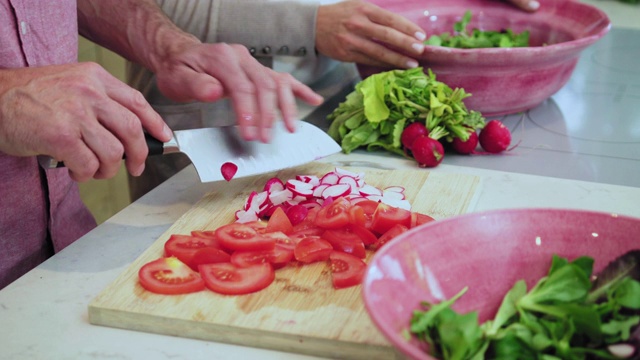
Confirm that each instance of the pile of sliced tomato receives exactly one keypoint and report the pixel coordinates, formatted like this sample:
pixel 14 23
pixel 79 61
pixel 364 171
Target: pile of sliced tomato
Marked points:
pixel 241 258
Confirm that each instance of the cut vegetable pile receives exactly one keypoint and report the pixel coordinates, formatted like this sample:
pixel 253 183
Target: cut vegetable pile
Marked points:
pixel 336 218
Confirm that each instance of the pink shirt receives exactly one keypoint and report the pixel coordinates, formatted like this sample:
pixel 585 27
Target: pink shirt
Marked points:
pixel 40 210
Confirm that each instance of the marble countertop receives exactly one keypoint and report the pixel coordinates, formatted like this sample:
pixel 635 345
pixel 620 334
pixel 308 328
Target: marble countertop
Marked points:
pixel 44 313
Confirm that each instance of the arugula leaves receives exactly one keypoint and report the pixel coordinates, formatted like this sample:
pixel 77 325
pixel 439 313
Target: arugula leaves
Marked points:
pixel 558 318
pixel 461 38
pixel 382 105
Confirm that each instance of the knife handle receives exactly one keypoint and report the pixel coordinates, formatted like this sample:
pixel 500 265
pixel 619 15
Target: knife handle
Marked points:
pixel 156 147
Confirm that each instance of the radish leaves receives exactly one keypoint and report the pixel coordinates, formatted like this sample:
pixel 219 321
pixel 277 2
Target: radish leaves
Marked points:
pixel 382 105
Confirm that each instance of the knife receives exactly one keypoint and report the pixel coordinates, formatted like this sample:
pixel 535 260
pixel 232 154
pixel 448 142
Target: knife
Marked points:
pixel 210 148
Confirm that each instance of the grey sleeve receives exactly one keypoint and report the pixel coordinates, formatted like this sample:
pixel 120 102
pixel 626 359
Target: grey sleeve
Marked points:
pixel 266 28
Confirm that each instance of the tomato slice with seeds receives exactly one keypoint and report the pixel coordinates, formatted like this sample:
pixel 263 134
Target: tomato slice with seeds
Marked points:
pixel 385 217
pixel 311 249
pixel 169 276
pixel 389 235
pixel 184 247
pixel 229 279
pixel 346 270
pixel 334 215
pixel 236 236
pixel 278 257
pixel 345 240
pixel 369 207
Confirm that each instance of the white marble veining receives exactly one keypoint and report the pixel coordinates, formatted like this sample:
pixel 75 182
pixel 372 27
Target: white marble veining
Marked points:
pixel 44 313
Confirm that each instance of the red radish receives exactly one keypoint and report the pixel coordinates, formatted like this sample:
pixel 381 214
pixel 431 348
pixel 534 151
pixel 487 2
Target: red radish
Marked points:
pixel 412 132
pixel 495 137
pixel 428 152
pixel 466 147
pixel 228 170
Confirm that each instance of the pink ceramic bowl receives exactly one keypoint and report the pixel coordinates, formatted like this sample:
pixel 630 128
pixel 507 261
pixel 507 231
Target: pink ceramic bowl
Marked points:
pixel 504 80
pixel 486 251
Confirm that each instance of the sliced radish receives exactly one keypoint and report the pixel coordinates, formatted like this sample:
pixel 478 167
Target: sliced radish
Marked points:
pixel 228 170
pixel 336 190
pixel 330 178
pixel 368 190
pixel 392 195
pixel 278 197
pixel 398 189
pixel 342 172
pixel 317 191
pixel 310 179
pixel 349 180
pixel 310 191
pixel 273 184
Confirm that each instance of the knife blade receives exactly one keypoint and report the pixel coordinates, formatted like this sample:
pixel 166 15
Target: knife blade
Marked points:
pixel 210 148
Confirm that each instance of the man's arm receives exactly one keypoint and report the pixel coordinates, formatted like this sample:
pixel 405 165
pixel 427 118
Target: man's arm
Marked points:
pixel 188 70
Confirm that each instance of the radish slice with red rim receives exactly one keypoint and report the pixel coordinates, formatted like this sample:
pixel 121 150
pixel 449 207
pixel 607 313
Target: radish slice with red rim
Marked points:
pixel 330 178
pixel 368 190
pixel 336 190
pixel 392 195
pixel 398 189
pixel 273 184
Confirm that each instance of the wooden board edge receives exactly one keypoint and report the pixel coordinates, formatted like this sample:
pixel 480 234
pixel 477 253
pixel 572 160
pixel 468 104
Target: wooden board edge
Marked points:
pixel 231 335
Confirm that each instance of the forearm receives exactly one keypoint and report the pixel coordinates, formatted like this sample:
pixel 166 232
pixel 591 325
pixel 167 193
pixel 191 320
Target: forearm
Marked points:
pixel 136 29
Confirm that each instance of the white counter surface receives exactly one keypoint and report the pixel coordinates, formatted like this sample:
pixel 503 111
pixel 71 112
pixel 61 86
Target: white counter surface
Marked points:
pixel 44 313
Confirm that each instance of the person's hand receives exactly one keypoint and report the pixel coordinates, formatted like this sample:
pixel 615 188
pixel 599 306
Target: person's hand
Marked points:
pixel 79 114
pixel 526 5
pixel 208 72
pixel 355 31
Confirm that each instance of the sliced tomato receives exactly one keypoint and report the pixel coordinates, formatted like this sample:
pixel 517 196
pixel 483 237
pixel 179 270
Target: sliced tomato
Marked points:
pixel 236 236
pixel 385 217
pixel 418 219
pixel 208 256
pixel 334 215
pixel 278 257
pixel 259 226
pixel 365 234
pixel 281 239
pixel 357 216
pixel 387 236
pixel 279 221
pixel 207 234
pixel 346 241
pixel 346 270
pixel 184 247
pixel 169 276
pixel 369 207
pixel 229 279
pixel 311 249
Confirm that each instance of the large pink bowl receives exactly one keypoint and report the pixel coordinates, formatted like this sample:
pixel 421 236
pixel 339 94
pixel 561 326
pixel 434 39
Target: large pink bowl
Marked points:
pixel 504 80
pixel 486 251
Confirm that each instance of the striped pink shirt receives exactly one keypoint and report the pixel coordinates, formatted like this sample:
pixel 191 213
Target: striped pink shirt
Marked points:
pixel 40 210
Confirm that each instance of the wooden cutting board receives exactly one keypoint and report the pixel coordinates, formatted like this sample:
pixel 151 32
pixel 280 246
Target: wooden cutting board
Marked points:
pixel 300 312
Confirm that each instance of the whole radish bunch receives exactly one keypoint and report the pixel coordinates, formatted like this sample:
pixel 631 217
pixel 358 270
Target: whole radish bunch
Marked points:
pixel 428 151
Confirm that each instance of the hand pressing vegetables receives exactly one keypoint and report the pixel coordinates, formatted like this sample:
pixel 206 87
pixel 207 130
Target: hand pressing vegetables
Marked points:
pixel 462 38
